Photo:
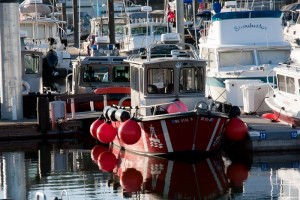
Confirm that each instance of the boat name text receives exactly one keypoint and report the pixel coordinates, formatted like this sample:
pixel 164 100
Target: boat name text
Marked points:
pixel 259 26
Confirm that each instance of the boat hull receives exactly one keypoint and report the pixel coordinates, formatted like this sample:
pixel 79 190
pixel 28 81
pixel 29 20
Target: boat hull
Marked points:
pixel 284 108
pixel 163 178
pixel 177 133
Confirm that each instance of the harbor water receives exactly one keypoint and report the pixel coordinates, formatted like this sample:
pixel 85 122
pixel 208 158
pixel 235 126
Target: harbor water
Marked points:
pixel 71 170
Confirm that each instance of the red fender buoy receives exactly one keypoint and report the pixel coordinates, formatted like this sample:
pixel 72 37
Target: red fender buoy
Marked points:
pixel 271 116
pixel 106 133
pixel 95 125
pixel 96 151
pixel 107 161
pixel 236 129
pixel 237 173
pixel 131 180
pixel 130 132
pixel 177 106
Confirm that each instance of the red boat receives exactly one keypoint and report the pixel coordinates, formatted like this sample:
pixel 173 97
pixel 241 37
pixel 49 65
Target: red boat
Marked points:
pixel 160 178
pixel 169 112
pixel 92 78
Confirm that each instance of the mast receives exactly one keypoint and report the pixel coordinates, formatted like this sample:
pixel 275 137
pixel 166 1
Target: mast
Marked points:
pixel 179 18
pixel 75 24
pixel 111 22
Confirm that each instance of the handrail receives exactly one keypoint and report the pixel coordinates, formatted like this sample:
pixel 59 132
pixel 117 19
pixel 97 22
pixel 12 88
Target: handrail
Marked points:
pixel 39 195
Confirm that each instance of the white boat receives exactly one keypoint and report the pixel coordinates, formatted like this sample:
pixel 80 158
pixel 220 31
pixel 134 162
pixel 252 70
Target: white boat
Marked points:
pixel 44 33
pixel 285 97
pixel 142 29
pixel 99 34
pixel 291 29
pixel 241 47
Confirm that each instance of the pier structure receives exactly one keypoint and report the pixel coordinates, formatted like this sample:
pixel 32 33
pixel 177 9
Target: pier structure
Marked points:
pixel 10 61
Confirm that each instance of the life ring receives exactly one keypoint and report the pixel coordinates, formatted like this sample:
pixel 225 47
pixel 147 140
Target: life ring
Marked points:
pixel 25 85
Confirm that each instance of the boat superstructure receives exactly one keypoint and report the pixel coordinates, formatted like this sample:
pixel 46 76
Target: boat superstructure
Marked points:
pixel 284 97
pixel 142 29
pixel 44 33
pixel 241 46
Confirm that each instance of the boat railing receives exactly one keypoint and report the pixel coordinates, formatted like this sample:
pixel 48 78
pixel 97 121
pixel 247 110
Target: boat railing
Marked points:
pixel 190 52
pixel 144 20
pixel 204 31
pixel 40 195
pixel 271 85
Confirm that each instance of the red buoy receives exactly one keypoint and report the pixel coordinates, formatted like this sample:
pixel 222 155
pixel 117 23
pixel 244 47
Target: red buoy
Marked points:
pixel 236 129
pixel 176 107
pixel 271 116
pixel 96 151
pixel 130 132
pixel 94 126
pixel 131 180
pixel 237 173
pixel 106 133
pixel 107 161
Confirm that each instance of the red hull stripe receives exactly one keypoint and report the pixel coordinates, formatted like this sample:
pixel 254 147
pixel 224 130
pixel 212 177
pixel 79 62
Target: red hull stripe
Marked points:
pixel 213 135
pixel 144 138
pixel 215 175
pixel 166 135
pixel 168 179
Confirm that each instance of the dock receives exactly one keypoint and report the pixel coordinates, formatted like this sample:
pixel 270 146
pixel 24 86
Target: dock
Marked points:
pixel 265 135
pixel 29 128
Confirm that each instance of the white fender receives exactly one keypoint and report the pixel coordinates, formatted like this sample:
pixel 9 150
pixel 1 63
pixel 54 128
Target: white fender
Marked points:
pixel 26 85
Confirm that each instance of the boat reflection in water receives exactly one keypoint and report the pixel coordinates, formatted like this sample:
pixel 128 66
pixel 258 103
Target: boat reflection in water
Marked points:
pixel 161 178
pixel 80 171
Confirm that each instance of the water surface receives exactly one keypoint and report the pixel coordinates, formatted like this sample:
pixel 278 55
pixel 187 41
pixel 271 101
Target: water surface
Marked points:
pixel 71 170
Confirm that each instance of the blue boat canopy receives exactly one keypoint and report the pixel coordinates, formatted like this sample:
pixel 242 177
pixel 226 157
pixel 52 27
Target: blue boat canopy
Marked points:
pixel 191 1
pixel 246 14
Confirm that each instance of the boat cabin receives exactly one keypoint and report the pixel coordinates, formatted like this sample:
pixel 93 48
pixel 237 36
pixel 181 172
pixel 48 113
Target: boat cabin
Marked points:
pixel 90 73
pixel 142 29
pixel 32 69
pixel 288 80
pixel 160 78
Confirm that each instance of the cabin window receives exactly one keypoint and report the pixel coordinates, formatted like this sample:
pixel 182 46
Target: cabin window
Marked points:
pixel 281 82
pixel 37 32
pixel 236 58
pixel 158 30
pixel 96 74
pixel 191 80
pixel 32 63
pixel 41 32
pixel 286 84
pixel 290 85
pixel 119 29
pixel 272 56
pixel 134 74
pixel 104 30
pixel 141 80
pixel 140 31
pixel 160 81
pixel 120 74
pixel 298 86
pixel 208 55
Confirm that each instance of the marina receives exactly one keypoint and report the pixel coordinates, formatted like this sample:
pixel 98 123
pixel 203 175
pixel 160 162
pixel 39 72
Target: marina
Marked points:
pixel 126 104
pixel 265 135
